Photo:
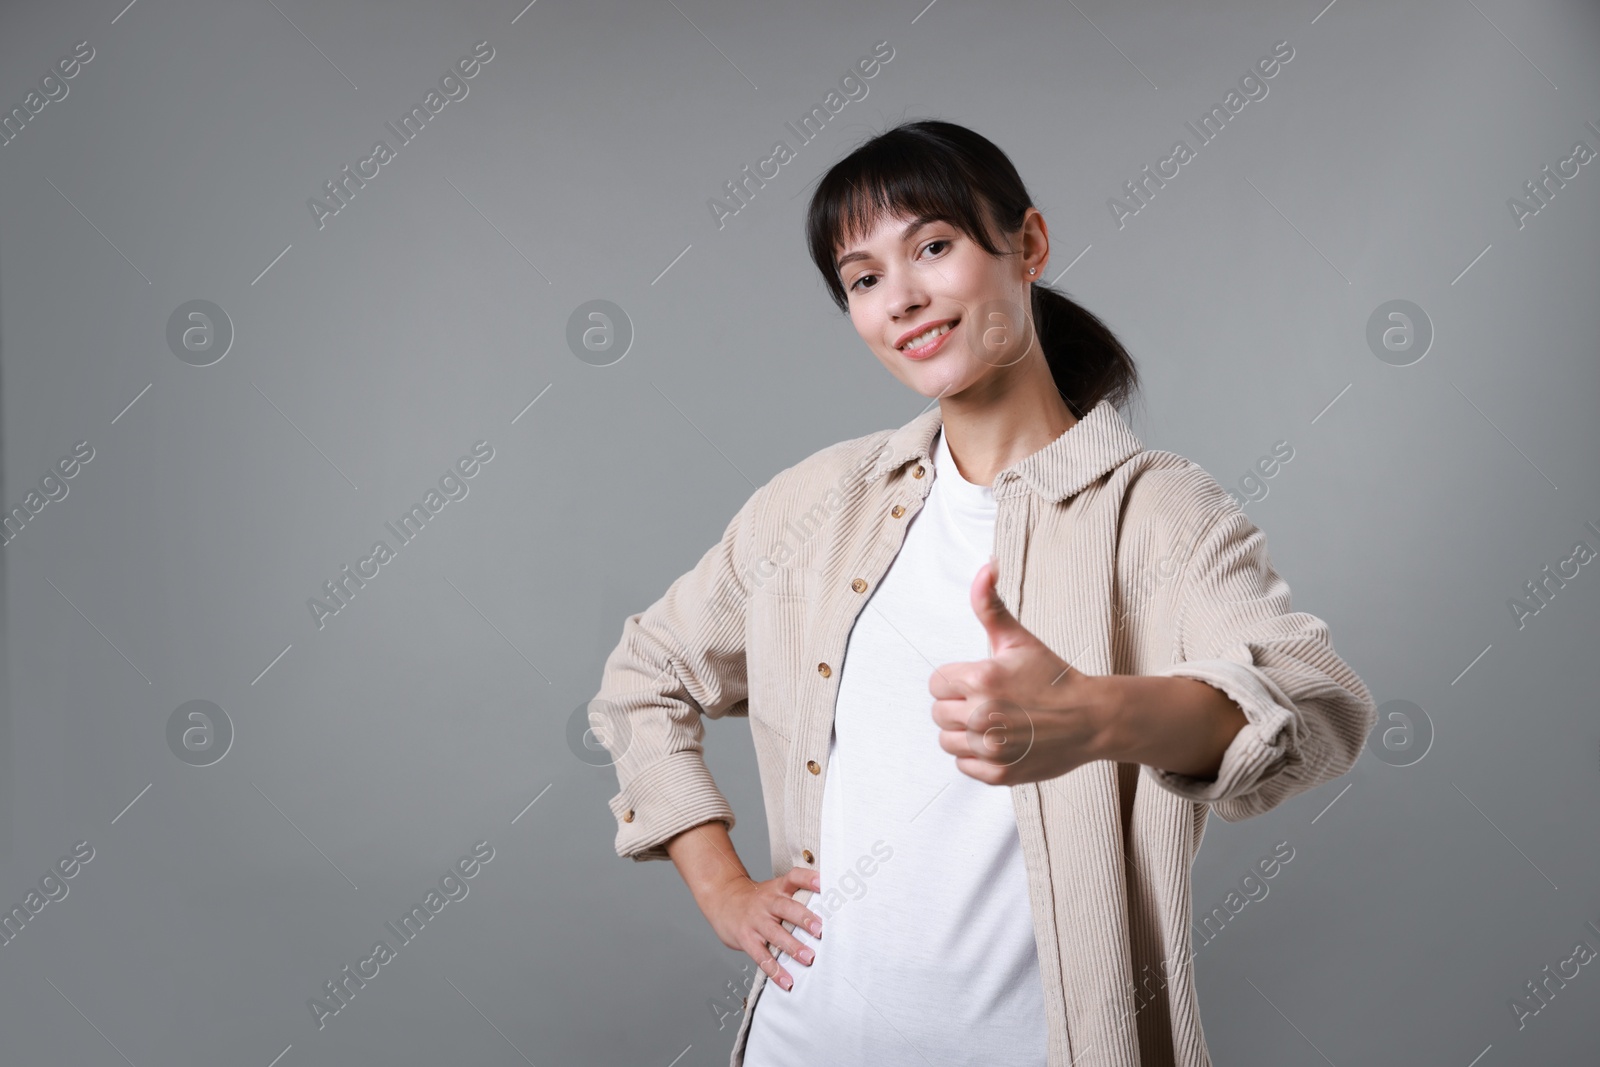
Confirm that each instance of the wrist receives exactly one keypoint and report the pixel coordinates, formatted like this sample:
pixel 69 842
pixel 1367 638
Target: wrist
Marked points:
pixel 705 857
pixel 1109 709
pixel 1176 724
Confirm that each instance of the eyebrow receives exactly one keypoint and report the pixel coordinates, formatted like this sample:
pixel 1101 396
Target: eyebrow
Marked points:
pixel 911 227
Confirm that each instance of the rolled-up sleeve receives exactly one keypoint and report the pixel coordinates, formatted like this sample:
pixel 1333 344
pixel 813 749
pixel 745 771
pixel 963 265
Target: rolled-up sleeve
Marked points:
pixel 679 659
pixel 1307 713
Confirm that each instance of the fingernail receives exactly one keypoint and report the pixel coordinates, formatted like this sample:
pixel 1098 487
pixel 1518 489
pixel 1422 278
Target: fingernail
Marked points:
pixel 816 927
pixel 786 982
pixel 806 956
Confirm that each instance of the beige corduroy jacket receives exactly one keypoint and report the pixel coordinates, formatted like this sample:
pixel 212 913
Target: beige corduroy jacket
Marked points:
pixel 1122 560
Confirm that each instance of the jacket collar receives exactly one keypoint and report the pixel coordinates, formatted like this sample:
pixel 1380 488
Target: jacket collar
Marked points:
pixel 1097 443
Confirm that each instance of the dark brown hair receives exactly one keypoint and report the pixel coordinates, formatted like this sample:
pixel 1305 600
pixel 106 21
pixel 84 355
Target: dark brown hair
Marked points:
pixel 939 170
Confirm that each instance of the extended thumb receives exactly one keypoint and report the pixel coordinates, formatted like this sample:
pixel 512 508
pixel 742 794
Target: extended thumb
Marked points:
pixel 1002 627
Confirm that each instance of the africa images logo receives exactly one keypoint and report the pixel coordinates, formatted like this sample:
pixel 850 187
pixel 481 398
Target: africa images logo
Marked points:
pixel 343 590
pixel 342 988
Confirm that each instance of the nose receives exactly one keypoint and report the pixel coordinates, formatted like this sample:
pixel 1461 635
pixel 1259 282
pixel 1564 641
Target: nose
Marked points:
pixel 907 298
pixel 905 310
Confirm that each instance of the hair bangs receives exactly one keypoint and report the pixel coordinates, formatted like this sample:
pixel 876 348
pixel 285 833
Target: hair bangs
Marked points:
pixel 892 177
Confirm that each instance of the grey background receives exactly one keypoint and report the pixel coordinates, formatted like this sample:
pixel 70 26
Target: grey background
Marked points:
pixel 433 309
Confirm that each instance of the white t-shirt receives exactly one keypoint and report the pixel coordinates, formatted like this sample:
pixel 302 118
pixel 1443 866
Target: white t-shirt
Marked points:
pixel 927 954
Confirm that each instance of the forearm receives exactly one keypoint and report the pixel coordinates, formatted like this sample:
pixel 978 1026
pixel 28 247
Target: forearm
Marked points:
pixel 1181 725
pixel 706 859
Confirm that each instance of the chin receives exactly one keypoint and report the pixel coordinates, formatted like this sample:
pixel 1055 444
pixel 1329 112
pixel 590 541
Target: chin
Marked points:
pixel 938 384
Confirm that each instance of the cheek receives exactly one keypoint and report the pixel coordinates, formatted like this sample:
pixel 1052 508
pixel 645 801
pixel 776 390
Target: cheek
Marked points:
pixel 973 277
pixel 868 328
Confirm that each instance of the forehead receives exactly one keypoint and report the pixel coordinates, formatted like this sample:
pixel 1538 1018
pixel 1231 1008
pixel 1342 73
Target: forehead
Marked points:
pixel 878 224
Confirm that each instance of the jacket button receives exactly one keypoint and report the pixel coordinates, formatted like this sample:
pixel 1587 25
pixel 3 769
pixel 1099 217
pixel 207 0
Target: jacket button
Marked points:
pixel 628 817
pixel 813 767
pixel 807 854
pixel 918 472
pixel 859 585
pixel 825 670
pixel 897 511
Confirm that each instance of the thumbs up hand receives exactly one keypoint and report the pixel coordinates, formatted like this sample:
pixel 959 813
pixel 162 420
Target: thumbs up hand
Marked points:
pixel 1022 715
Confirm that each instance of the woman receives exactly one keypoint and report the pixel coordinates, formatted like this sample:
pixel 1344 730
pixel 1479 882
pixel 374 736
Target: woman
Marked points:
pixel 1009 590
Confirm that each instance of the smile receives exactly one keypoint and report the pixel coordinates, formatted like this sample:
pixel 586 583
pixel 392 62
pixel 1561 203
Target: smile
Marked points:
pixel 929 341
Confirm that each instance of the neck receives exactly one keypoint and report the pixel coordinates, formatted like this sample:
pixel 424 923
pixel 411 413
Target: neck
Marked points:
pixel 1003 420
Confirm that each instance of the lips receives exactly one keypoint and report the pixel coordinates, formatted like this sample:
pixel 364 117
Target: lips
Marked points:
pixel 930 347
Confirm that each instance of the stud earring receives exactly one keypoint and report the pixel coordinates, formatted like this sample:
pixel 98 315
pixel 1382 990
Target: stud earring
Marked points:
pixel 1032 271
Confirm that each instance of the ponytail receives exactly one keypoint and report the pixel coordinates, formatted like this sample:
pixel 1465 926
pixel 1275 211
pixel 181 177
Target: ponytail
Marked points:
pixel 1086 360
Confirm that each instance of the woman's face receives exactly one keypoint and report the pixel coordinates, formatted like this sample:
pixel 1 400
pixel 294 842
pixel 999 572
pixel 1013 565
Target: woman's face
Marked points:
pixel 904 278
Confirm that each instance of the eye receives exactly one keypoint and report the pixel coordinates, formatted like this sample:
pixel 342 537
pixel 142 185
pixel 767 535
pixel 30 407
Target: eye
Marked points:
pixel 855 286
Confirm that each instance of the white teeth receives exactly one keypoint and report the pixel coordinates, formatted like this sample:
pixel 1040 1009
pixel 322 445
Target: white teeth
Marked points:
pixel 923 338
